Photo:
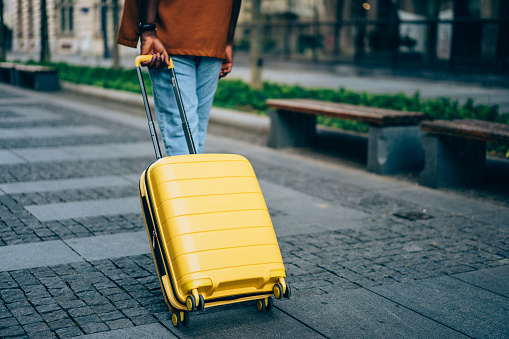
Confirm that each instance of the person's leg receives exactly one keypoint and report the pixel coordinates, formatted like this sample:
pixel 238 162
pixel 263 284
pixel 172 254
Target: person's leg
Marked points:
pixel 167 113
pixel 207 75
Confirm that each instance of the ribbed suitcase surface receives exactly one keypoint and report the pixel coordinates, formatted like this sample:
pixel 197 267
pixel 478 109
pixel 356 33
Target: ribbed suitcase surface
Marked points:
pixel 212 218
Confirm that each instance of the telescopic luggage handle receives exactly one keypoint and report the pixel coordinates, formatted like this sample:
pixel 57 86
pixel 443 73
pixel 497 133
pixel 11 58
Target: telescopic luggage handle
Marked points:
pixel 183 117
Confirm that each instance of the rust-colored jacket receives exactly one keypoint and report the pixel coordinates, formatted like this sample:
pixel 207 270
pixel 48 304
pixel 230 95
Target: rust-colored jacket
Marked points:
pixel 186 27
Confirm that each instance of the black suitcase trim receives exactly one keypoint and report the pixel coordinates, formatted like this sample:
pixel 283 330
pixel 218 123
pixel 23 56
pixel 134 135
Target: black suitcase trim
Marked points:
pixel 161 253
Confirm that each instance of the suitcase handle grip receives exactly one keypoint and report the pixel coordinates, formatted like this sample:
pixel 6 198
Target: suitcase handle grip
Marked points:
pixel 142 58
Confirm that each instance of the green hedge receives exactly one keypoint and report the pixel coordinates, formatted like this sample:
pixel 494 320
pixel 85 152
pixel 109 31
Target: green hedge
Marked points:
pixel 237 94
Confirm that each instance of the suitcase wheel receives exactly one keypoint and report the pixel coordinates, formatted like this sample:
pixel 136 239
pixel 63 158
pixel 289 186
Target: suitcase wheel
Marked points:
pixel 180 317
pixel 264 304
pixel 201 303
pixel 278 291
pixel 288 292
pixel 191 303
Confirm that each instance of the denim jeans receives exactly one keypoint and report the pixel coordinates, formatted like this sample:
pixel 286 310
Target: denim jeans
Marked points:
pixel 197 79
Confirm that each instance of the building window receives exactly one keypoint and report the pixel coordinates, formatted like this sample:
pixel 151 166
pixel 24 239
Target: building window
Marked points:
pixel 66 16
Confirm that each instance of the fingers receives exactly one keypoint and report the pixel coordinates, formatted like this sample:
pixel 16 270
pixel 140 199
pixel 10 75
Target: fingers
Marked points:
pixel 166 58
pixel 158 61
pixel 226 68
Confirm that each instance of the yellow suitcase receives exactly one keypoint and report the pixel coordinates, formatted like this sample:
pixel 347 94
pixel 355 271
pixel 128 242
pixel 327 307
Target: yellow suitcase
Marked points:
pixel 210 232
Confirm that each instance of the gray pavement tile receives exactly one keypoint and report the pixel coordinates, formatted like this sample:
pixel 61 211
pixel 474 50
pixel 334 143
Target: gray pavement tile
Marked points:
pixel 8 157
pixel 111 246
pixel 459 305
pixel 153 331
pixel 427 197
pixel 13 331
pixel 498 216
pixel 493 279
pixel 83 209
pixel 288 225
pixel 362 314
pixel 41 132
pixel 243 322
pixel 18 257
pixel 66 184
pixel 23 115
pixel 84 152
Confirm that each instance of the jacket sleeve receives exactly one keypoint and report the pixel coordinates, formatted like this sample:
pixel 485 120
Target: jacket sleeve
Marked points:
pixel 128 34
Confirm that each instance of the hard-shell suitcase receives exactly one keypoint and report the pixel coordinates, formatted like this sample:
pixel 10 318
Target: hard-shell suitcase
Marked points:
pixel 210 232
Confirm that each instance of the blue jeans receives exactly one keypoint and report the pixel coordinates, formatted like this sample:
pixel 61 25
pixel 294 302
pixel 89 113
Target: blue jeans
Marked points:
pixel 197 79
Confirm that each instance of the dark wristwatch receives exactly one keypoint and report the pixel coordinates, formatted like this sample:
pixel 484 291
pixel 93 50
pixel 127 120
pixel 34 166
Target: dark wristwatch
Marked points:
pixel 146 27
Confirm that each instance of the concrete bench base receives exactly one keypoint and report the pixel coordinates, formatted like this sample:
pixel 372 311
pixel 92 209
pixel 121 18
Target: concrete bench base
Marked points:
pixel 40 78
pixel 390 149
pixel 290 129
pixel 452 161
pixel 7 73
pixel 395 149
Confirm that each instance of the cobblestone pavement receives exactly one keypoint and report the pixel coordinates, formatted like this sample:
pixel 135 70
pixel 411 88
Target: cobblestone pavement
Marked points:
pixel 61 301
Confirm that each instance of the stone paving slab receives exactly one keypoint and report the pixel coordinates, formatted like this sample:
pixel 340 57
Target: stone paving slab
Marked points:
pixel 23 114
pixel 83 209
pixel 67 184
pixel 362 314
pixel 471 310
pixel 152 331
pixel 111 151
pixel 436 199
pixel 9 157
pixel 293 212
pixel 245 322
pixel 18 257
pixel 111 246
pixel 38 132
pixel 495 279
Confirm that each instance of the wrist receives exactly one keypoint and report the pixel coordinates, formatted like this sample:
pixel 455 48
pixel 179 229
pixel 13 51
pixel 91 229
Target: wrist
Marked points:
pixel 148 34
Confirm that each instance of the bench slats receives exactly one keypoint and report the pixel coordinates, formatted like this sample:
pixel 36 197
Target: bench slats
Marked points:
pixel 473 129
pixel 371 115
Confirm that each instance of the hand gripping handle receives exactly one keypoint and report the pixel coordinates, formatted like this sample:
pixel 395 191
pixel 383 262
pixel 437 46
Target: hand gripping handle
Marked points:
pixel 142 58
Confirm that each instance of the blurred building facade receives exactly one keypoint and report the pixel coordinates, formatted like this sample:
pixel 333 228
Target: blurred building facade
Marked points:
pixel 77 27
pixel 444 34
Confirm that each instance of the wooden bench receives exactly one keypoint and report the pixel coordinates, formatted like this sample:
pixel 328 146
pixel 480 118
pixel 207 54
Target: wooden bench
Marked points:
pixel 455 150
pixel 40 78
pixel 7 70
pixel 394 141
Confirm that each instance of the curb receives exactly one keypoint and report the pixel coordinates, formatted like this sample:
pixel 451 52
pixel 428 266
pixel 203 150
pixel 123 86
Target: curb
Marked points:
pixel 223 116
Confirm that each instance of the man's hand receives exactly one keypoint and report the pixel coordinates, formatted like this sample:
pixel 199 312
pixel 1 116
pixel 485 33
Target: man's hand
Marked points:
pixel 226 68
pixel 150 44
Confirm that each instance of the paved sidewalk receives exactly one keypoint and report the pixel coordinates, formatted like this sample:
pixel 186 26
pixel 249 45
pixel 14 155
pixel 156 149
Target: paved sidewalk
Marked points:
pixel 74 258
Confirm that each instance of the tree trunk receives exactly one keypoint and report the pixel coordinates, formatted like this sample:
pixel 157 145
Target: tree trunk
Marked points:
pixel 116 56
pixel 255 48
pixel 2 35
pixel 45 53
